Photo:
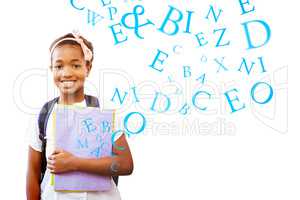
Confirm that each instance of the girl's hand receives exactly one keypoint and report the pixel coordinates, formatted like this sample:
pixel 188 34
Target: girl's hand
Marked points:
pixel 61 161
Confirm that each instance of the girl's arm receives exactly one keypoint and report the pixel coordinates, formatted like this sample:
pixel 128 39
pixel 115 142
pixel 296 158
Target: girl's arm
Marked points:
pixel 120 164
pixel 33 175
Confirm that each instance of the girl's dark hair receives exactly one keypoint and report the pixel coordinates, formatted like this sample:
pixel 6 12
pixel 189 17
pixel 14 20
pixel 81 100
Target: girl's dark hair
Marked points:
pixel 72 42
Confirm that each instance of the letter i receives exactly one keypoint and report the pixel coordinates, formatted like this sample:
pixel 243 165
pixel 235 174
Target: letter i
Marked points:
pixel 188 22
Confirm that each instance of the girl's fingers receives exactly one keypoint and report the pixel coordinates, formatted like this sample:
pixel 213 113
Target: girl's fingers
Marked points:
pixel 51 161
pixel 51 167
pixel 52 157
pixel 56 151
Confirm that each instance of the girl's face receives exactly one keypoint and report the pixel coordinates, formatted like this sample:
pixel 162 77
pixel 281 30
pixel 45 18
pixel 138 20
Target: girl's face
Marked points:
pixel 69 69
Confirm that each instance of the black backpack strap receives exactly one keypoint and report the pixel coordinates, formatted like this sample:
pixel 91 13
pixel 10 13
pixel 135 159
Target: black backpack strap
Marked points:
pixel 91 101
pixel 42 123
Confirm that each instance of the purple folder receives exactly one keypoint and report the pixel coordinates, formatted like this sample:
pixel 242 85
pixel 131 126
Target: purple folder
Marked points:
pixel 84 132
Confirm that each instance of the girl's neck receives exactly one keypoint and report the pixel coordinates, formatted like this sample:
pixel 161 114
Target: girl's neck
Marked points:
pixel 71 99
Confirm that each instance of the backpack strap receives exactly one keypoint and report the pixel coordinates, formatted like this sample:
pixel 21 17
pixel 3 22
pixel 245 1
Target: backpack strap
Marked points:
pixel 44 114
pixel 91 101
pixel 42 123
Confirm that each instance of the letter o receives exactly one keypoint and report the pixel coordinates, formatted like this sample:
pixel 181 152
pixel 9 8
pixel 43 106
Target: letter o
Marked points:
pixel 253 91
pixel 126 123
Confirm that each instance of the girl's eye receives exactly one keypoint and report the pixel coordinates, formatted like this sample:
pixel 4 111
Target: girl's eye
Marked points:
pixel 76 66
pixel 57 67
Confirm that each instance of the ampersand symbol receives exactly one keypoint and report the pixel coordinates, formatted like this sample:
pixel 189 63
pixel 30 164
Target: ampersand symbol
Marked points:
pixel 137 10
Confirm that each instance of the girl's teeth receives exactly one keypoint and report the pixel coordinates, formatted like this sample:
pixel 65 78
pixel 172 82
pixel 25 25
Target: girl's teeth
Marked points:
pixel 68 83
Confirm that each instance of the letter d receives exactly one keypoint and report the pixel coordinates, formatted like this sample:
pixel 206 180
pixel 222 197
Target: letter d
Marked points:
pixel 249 39
pixel 155 100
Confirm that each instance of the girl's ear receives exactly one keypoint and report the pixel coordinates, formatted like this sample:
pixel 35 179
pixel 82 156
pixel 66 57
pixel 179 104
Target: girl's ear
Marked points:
pixel 50 67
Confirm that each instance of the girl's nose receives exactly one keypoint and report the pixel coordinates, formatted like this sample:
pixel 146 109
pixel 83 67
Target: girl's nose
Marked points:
pixel 67 71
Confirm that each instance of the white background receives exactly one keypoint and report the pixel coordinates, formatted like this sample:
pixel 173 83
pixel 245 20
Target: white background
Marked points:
pixel 259 160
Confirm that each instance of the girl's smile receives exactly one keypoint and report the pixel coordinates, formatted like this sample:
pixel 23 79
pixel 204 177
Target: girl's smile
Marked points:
pixel 68 83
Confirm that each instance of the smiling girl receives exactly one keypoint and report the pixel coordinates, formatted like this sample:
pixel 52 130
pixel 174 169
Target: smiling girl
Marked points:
pixel 71 62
